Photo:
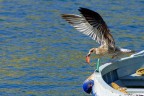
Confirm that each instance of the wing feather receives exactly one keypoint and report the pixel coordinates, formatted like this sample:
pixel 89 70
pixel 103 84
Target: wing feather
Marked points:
pixel 91 24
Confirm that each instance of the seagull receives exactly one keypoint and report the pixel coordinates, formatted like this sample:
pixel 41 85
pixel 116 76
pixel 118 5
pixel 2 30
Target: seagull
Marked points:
pixel 92 24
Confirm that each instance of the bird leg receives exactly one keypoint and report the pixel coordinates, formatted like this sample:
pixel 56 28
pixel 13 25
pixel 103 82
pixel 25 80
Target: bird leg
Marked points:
pixel 97 65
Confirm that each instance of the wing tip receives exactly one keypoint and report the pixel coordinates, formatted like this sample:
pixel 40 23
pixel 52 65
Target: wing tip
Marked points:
pixel 82 9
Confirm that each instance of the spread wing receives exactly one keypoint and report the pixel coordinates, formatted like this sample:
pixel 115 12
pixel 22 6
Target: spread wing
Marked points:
pixel 91 24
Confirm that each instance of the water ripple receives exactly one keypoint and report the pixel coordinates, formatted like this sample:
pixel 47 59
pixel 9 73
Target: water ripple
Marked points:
pixel 42 55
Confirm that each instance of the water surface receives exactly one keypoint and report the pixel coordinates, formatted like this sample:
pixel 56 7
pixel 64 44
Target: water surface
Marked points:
pixel 42 55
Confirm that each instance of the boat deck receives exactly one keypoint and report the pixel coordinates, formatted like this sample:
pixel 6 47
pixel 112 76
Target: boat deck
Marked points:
pixel 123 73
pixel 133 80
pixel 133 83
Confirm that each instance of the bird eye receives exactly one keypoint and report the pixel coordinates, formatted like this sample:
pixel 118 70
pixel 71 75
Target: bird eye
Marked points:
pixel 91 51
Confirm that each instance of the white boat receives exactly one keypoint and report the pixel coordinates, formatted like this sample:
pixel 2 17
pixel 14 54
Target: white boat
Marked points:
pixel 122 73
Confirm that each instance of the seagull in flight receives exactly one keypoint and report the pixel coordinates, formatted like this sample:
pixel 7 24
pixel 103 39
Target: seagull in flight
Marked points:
pixel 92 24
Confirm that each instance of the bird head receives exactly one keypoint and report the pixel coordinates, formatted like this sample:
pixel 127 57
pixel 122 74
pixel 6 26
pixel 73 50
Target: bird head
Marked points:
pixel 93 50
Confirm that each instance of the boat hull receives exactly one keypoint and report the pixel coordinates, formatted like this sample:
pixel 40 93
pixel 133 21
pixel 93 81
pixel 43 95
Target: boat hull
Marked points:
pixel 122 72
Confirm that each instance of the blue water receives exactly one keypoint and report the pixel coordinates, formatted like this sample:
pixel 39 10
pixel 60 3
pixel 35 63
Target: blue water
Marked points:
pixel 42 55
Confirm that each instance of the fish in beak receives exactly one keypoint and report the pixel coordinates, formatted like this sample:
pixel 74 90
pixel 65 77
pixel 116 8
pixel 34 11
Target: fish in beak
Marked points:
pixel 88 58
pixel 89 53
